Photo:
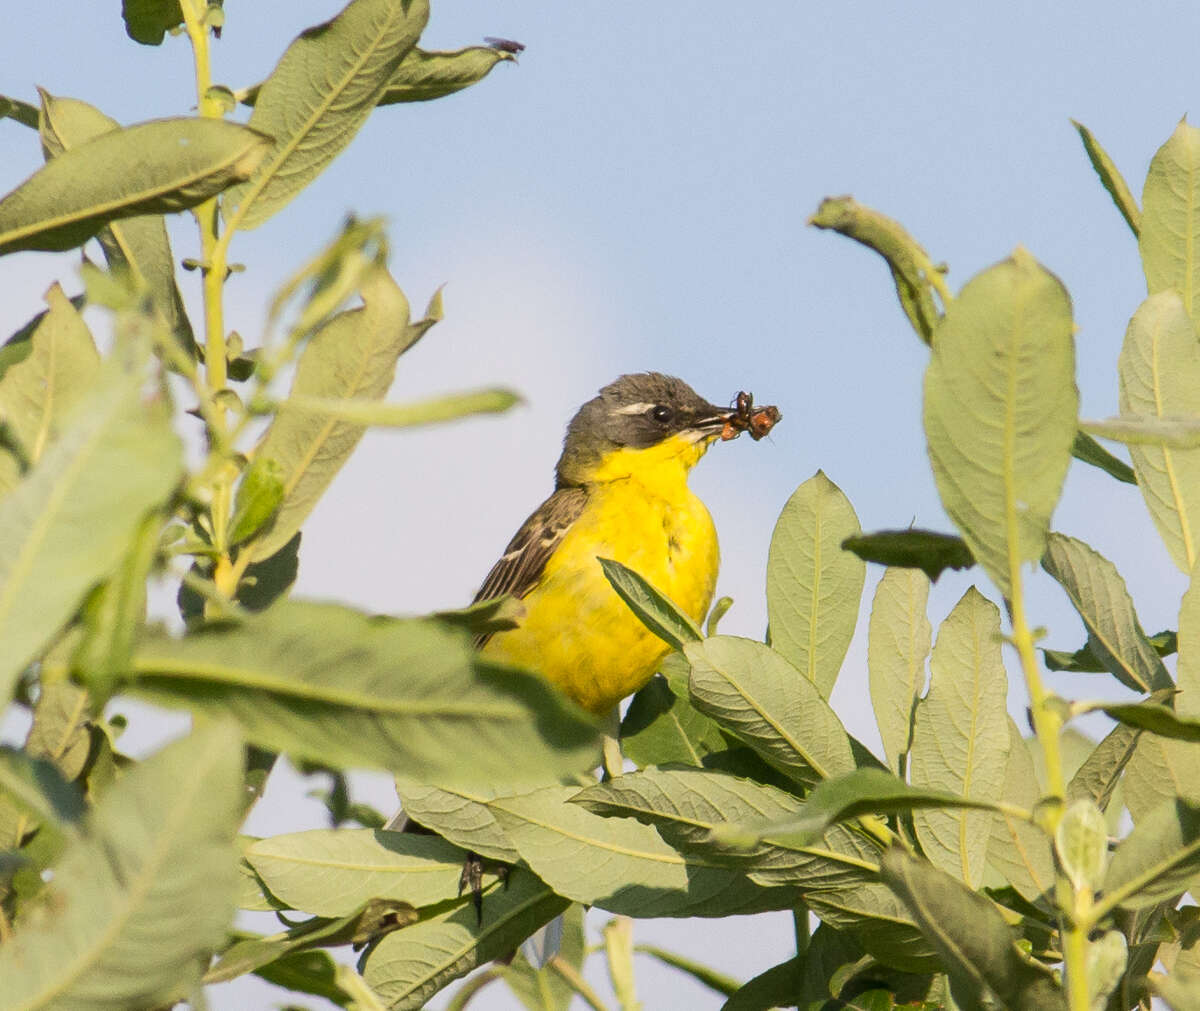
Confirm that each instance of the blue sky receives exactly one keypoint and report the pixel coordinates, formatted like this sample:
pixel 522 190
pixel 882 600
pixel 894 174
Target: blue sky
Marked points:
pixel 633 195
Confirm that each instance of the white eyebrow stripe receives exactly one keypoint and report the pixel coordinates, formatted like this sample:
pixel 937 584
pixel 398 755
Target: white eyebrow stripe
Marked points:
pixel 641 408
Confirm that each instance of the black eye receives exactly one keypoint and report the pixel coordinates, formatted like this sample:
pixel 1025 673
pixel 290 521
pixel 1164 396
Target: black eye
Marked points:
pixel 662 414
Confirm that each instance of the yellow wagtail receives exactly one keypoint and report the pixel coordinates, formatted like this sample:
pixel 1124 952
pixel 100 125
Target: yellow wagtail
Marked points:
pixel 620 492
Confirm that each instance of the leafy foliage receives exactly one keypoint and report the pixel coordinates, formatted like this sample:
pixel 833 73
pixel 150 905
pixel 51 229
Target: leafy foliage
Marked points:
pixel 970 868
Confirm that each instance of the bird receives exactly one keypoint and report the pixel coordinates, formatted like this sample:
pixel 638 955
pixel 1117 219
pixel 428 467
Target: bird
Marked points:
pixel 620 492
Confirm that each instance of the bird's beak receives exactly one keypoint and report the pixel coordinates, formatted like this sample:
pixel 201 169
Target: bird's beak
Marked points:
pixel 711 420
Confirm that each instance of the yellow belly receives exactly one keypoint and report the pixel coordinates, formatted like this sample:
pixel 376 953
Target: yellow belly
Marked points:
pixel 576 631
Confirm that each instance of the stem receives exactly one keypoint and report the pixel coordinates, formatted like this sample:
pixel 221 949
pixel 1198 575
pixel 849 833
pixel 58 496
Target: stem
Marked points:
pixel 800 925
pixel 576 982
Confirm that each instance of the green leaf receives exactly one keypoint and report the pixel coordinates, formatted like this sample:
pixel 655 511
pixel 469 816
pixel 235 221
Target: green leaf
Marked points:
pixel 36 788
pixel 691 807
pixel 153 168
pixel 320 682
pixel 546 989
pixel 760 698
pixel 1098 594
pixel 60 731
pixel 879 921
pixel 22 112
pixel 147 21
pixel 960 736
pixel 1159 373
pixel 1000 411
pixel 1173 431
pixel 1157 859
pixel 352 356
pixel 653 608
pixel 310 972
pixel 1107 957
pixel 38 392
pixel 975 943
pixel 659 727
pixel 1084 661
pixel 409 966
pixel 777 987
pixel 1017 849
pixel 701 973
pixel 366 413
pixel 138 247
pixel 621 865
pixel 156 862
pixel 424 75
pixel 1111 178
pixel 1156 718
pixel 1101 773
pixel 813 586
pixel 909 263
pixel 931 552
pixel 1187 669
pixel 898 646
pixel 1081 842
pixel 259 494
pixel 332 872
pixel 1169 238
pixel 863 791
pixel 1160 770
pixel 462 816
pixel 1088 450
pixel 66 526
pixel 319 95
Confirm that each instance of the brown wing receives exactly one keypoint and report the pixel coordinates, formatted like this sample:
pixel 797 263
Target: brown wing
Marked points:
pixel 521 565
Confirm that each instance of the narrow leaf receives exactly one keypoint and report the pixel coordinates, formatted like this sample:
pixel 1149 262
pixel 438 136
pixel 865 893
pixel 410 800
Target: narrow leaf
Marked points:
pixel 813 586
pixel 1000 411
pixel 1100 774
pixel 975 943
pixel 1099 595
pixel 1110 177
pixel 1089 451
pixel 153 168
pixel 366 413
pixel 931 552
pixel 1158 859
pixel 424 75
pixel 332 872
pixel 960 736
pixel 353 356
pixel 898 646
pixel 22 112
pixel 319 95
pixel 409 966
pixel 65 526
pixel 320 682
pixel 621 865
pixel 760 698
pixel 705 975
pixel 37 393
pixel 654 609
pixel 156 862
pixel 1156 718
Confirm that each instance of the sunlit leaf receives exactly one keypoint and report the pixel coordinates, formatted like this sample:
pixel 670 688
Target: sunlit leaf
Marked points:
pixel 1111 178
pixel 960 736
pixel 424 75
pixel 1017 849
pixel 1000 411
pixel 462 816
pixel 654 609
pixel 813 586
pixel 1169 235
pixel 367 413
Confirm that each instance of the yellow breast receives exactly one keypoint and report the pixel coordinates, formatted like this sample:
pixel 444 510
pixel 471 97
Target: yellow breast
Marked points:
pixel 576 631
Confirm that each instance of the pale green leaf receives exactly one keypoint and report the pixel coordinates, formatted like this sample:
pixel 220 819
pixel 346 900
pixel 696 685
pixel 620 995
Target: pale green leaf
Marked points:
pixel 760 698
pixel 37 392
pixel 1169 237
pixel 1000 411
pixel 424 75
pixel 409 966
pixel 898 646
pixel 1181 431
pixel 1017 849
pixel 813 586
pixel 1187 669
pixel 136 246
pixel 621 865
pixel 331 872
pixel 319 95
pixel 336 686
pixel 1099 595
pixel 1107 956
pixel 1081 842
pixel 142 899
pixel 66 525
pixel 654 609
pixel 152 168
pixel 960 736
pixel 366 413
pixel 689 807
pixel 1157 859
pixel 976 945
pixel 1160 770
pixel 1159 373
pixel 352 356
pixel 1111 178
pixel 462 816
